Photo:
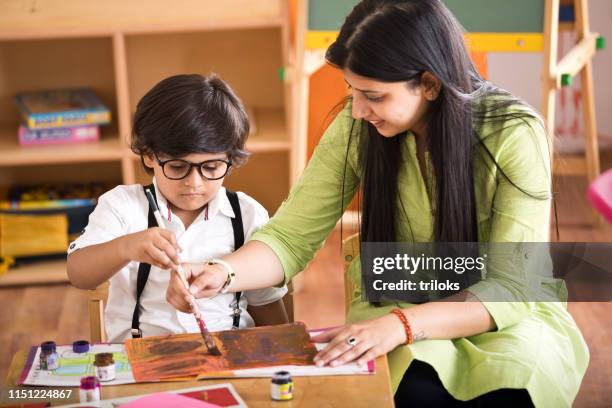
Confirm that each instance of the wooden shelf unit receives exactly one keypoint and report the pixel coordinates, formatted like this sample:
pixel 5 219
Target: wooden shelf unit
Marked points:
pixel 48 272
pixel 120 50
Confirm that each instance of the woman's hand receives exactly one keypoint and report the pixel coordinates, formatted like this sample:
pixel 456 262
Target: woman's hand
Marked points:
pixel 209 278
pixel 373 338
pixel 155 246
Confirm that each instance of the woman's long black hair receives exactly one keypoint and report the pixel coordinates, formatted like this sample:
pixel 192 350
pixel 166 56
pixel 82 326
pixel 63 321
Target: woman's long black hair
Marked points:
pixel 397 41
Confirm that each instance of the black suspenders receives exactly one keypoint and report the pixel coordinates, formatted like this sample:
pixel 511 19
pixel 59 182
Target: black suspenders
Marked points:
pixel 144 268
pixel 238 242
pixel 143 275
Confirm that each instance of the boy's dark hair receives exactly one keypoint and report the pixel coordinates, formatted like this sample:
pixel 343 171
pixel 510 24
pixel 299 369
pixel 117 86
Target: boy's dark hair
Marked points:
pixel 186 114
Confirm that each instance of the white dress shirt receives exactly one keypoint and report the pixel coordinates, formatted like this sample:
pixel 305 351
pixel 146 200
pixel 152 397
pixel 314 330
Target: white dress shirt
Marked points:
pixel 123 210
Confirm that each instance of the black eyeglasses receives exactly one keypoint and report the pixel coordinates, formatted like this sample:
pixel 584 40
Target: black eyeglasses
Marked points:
pixel 178 169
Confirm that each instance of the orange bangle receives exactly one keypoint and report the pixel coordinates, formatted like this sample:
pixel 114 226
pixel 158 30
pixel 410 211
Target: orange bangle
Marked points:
pixel 407 327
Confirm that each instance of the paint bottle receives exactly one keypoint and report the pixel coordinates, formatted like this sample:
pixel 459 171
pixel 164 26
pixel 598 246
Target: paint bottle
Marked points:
pixel 281 388
pixel 49 359
pixel 105 366
pixel 80 346
pixel 89 390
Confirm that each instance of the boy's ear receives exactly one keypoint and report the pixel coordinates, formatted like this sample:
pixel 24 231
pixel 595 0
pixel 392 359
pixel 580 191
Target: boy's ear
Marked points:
pixel 431 86
pixel 148 160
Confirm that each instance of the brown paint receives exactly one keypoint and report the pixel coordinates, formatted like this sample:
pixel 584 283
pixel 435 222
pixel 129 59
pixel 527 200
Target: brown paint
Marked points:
pixel 287 344
pixel 184 355
pixel 173 347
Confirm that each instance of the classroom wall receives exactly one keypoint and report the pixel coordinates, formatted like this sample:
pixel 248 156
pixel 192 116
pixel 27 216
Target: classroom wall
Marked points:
pixel 520 74
pixel 517 72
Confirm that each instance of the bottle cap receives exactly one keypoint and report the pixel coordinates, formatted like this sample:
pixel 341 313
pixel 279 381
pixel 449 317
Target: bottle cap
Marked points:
pixel 80 346
pixel 281 377
pixel 89 383
pixel 104 359
pixel 48 347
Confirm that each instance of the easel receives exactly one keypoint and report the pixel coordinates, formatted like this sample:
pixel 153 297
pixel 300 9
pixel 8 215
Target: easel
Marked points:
pixel 557 74
pixel 310 51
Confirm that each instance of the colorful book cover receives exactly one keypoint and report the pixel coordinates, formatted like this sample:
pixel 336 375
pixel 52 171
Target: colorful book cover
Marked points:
pixel 69 135
pixel 51 196
pixel 218 395
pixel 62 108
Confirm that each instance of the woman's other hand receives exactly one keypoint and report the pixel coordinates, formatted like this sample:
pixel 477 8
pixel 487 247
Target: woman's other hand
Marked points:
pixel 372 338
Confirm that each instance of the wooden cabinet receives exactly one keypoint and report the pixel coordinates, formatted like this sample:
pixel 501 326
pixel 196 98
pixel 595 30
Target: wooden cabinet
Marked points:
pixel 121 49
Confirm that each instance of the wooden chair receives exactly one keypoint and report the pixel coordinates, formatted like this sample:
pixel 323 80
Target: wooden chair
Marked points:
pixel 350 250
pixel 288 302
pixel 98 297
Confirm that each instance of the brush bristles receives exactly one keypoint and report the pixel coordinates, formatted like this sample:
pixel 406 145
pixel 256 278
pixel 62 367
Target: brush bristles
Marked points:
pixel 208 339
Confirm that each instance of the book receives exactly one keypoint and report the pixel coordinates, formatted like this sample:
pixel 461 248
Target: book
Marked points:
pixel 221 395
pixel 69 135
pixel 61 108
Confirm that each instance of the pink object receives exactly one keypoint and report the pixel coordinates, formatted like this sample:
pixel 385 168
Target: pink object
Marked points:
pixel 600 194
pixel 169 400
pixel 70 135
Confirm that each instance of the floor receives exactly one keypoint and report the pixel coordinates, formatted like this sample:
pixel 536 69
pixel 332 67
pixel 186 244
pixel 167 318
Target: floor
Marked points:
pixel 34 314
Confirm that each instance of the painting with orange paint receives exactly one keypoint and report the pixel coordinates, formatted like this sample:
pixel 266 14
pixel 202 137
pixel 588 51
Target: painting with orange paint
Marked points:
pixel 160 358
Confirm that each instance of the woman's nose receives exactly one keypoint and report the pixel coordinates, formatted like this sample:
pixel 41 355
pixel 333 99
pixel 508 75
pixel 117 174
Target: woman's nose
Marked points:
pixel 359 109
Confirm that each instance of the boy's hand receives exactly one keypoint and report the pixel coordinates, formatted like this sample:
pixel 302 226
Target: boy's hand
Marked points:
pixel 155 246
pixel 176 294
pixel 199 275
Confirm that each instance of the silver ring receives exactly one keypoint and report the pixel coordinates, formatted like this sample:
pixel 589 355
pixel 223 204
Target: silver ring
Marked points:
pixel 352 341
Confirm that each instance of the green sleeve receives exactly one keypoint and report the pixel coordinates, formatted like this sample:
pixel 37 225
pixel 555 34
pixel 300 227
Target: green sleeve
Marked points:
pixel 507 292
pixel 307 216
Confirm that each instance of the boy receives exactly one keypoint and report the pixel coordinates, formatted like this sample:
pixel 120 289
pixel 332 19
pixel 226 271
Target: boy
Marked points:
pixel 189 131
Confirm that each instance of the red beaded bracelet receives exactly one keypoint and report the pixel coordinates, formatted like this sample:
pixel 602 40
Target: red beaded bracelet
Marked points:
pixel 407 327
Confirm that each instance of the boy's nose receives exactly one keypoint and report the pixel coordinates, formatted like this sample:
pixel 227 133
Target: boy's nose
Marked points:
pixel 194 179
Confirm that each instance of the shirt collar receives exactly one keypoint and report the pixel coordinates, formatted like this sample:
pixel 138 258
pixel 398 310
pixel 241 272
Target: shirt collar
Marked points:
pixel 219 204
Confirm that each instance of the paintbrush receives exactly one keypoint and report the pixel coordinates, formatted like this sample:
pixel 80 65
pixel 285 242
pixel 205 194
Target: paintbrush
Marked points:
pixel 208 338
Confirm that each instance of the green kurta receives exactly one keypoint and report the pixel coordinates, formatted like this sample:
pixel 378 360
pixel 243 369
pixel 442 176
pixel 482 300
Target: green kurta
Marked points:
pixel 537 346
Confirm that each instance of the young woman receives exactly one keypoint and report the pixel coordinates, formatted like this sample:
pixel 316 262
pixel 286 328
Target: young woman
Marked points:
pixel 439 155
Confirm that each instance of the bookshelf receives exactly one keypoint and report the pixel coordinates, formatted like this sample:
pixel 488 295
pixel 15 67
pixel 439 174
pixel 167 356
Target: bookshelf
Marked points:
pixel 120 50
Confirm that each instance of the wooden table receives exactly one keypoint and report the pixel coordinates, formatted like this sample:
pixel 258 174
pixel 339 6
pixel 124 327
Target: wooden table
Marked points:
pixel 325 391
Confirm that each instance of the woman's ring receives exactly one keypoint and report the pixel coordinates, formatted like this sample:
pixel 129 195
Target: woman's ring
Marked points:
pixel 352 341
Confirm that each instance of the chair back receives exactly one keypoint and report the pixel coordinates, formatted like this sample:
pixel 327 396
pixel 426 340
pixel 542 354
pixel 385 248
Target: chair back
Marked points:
pixel 350 250
pixel 97 301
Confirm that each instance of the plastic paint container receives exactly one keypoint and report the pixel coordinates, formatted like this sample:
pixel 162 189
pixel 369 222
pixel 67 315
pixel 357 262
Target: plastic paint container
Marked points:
pixel 105 366
pixel 49 359
pixel 281 388
pixel 89 390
